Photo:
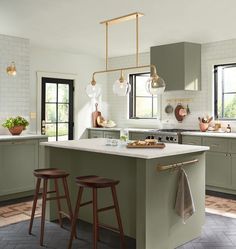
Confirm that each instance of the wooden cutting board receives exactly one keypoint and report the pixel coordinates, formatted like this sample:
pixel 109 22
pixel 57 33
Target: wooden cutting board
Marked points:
pixel 95 116
pixel 158 145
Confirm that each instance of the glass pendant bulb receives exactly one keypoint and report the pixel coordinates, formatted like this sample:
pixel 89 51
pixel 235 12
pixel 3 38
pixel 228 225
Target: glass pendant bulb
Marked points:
pixel 121 87
pixel 93 90
pixel 155 85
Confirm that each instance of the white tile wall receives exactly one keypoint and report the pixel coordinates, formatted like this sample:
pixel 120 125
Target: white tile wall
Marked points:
pixel 201 102
pixel 14 91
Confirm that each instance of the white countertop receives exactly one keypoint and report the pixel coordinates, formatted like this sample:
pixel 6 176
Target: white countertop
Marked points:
pixel 22 136
pixel 98 145
pixel 210 134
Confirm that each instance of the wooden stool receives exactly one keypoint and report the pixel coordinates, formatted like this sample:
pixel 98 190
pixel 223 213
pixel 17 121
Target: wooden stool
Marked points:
pixel 96 182
pixel 45 175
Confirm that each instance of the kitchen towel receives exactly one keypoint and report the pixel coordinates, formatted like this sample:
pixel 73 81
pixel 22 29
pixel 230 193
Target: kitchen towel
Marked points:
pixel 184 204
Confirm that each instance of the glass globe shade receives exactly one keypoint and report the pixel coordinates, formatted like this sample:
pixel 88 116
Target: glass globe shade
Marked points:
pixel 93 91
pixel 121 89
pixel 155 85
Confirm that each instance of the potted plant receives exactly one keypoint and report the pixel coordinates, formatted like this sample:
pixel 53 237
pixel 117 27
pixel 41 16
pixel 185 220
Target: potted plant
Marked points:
pixel 16 125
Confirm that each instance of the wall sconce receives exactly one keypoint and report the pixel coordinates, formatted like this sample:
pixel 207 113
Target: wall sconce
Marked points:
pixel 11 70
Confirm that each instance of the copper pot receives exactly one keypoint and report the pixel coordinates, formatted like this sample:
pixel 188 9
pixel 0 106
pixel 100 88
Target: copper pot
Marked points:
pixel 16 130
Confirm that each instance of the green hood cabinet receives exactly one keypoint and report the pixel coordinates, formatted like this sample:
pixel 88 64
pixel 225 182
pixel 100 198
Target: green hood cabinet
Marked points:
pixel 179 64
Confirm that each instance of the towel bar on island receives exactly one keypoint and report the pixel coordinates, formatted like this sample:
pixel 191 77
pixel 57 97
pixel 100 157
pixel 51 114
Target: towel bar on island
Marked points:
pixel 175 165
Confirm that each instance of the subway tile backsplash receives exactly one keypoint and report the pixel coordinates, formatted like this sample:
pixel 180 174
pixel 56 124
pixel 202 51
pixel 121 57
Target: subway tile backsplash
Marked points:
pixel 14 90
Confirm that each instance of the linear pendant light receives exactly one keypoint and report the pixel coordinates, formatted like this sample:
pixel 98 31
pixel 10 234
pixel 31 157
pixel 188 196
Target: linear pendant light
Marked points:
pixel 155 84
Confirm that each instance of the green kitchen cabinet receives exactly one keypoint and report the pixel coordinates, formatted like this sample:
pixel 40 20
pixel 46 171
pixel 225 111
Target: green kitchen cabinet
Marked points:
pixel 18 159
pixel 191 140
pixel 94 133
pixel 111 134
pixel 137 135
pixel 179 64
pixel 218 170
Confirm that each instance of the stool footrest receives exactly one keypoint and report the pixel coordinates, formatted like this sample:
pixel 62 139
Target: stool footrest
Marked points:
pixel 55 198
pixel 65 214
pixel 114 229
pixel 49 192
pixel 106 208
pixel 86 203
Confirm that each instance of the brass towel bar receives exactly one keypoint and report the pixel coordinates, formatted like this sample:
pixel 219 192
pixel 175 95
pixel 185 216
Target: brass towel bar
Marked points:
pixel 175 165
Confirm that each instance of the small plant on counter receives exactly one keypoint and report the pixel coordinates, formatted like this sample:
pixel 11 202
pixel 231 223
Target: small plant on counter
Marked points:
pixel 16 125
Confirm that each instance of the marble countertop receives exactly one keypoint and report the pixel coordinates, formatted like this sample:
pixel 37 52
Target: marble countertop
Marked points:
pixel 22 136
pixel 98 145
pixel 210 134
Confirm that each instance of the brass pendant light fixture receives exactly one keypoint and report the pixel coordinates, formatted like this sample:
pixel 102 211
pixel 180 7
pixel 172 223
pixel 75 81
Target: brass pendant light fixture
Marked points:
pixel 155 84
pixel 11 69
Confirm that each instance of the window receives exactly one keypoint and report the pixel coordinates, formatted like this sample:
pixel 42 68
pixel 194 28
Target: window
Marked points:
pixel 225 91
pixel 141 103
pixel 57 108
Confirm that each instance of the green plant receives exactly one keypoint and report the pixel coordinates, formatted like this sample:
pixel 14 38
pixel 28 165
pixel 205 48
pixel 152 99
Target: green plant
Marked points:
pixel 17 121
pixel 124 138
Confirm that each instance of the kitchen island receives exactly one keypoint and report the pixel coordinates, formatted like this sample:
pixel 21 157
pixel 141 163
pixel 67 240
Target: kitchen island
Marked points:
pixel 146 195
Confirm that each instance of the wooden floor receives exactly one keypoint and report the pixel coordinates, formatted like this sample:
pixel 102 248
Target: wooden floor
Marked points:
pixel 219 232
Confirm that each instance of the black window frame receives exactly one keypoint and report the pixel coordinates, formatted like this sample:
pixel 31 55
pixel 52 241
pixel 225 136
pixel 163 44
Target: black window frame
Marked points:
pixel 132 96
pixel 216 83
pixel 71 104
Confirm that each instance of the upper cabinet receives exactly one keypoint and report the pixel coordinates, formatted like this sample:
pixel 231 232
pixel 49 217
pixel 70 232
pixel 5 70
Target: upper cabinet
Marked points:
pixel 179 64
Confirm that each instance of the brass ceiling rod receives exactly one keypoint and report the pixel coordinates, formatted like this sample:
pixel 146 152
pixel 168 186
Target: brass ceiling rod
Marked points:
pixel 135 15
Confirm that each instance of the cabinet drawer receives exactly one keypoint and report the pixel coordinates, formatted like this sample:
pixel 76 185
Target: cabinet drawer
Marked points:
pixel 95 134
pixel 137 135
pixel 192 140
pixel 216 144
pixel 112 134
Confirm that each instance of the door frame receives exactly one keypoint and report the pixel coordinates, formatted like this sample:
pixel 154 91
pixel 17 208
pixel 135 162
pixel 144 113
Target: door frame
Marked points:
pixel 39 76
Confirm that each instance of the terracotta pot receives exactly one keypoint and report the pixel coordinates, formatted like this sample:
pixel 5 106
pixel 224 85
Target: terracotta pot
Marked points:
pixel 16 130
pixel 203 126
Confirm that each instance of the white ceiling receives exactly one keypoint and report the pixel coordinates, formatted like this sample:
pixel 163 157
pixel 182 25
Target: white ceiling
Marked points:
pixel 73 25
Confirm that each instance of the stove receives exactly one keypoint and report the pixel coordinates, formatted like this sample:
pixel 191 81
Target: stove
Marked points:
pixel 169 135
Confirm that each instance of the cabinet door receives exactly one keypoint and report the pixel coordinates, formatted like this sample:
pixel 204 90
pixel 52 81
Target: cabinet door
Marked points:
pixel 192 140
pixel 218 169
pixel 17 162
pixel 112 134
pixel 233 162
pixel 95 134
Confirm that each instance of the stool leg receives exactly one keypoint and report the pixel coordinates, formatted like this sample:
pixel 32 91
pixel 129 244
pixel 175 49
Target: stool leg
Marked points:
pixel 117 209
pixel 75 216
pixel 95 219
pixel 34 204
pixel 66 189
pixel 45 186
pixel 67 195
pixel 58 202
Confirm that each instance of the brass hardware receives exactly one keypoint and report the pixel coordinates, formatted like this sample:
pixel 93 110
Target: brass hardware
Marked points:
pixel 123 18
pixel 11 69
pixel 175 165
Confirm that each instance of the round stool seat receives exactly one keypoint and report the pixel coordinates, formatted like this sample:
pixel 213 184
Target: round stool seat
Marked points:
pixel 50 173
pixel 93 181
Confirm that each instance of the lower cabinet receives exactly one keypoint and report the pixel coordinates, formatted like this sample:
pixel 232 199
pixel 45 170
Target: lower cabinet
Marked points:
pixel 218 170
pixel 103 134
pixel 18 159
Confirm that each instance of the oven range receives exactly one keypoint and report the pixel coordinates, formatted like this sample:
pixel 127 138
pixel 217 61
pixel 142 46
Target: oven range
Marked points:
pixel 168 135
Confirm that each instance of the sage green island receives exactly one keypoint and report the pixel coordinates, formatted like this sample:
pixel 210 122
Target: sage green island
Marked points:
pixel 146 196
